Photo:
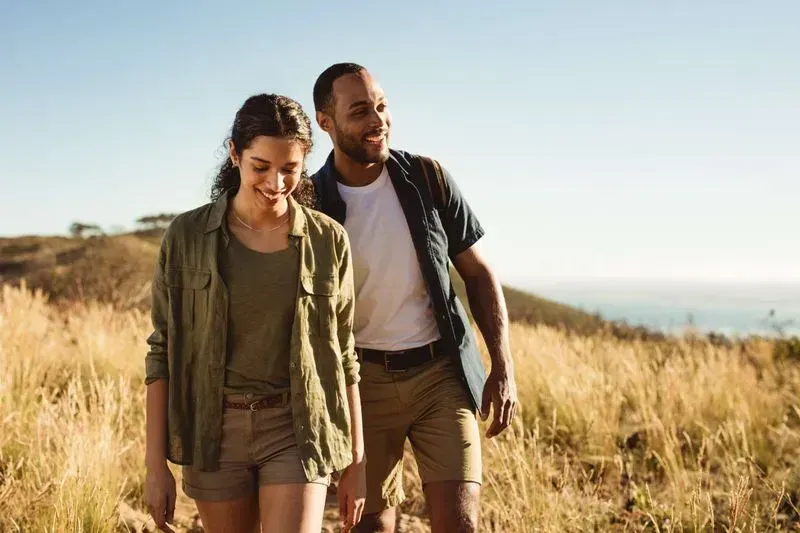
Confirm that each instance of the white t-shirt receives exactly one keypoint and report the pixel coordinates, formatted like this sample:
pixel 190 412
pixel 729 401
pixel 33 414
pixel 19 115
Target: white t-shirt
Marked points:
pixel 393 308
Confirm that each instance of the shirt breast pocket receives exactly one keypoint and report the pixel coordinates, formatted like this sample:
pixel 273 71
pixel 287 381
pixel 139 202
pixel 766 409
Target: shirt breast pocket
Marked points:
pixel 319 294
pixel 188 289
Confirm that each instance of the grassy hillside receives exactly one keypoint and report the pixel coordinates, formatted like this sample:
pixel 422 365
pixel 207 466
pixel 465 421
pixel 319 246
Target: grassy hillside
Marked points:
pixel 117 270
pixel 113 270
pixel 612 436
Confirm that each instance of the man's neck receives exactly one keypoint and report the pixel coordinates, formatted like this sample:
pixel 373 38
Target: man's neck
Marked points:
pixel 353 173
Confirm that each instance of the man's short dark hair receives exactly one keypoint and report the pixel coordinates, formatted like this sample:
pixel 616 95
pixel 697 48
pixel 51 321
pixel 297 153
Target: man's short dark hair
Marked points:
pixel 323 88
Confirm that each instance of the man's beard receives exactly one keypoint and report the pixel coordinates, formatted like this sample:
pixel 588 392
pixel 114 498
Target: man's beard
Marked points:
pixel 355 150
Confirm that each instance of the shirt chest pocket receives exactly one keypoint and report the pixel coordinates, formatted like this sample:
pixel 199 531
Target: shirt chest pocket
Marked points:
pixel 318 298
pixel 188 293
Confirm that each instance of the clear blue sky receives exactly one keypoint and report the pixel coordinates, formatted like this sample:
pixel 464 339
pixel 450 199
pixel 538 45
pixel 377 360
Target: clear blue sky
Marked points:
pixel 637 139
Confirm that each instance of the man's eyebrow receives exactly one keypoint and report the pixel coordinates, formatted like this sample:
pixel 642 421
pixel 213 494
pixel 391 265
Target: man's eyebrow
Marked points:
pixel 359 103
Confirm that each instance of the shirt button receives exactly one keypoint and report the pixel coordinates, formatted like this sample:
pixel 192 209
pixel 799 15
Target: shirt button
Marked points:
pixel 248 396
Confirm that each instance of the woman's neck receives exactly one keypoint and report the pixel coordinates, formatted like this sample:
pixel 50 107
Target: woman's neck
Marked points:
pixel 247 209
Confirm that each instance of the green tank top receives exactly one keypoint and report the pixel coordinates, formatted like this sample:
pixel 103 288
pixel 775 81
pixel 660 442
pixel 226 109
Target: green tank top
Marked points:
pixel 262 291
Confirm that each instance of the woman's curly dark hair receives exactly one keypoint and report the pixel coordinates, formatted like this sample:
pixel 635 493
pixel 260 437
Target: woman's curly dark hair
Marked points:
pixel 275 116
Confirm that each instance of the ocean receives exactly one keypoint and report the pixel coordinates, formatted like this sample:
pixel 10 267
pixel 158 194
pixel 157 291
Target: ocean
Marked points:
pixel 731 309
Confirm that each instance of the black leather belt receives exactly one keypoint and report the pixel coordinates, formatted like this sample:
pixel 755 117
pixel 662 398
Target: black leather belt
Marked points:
pixel 402 360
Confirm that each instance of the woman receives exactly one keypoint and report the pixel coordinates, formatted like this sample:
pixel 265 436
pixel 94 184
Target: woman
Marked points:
pixel 252 374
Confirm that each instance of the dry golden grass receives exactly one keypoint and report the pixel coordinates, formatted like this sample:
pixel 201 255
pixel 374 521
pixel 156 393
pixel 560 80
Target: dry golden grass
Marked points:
pixel 613 436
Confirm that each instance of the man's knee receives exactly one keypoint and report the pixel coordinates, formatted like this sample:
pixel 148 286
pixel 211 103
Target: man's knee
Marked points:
pixel 382 522
pixel 454 506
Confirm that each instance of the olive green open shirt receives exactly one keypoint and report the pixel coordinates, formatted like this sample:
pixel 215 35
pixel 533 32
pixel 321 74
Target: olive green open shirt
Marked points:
pixel 188 343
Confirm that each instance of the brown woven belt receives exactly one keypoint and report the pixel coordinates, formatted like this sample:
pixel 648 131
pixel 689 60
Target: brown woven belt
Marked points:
pixel 277 400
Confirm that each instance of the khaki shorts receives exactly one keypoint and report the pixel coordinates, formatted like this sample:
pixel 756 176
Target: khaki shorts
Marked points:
pixel 430 406
pixel 258 448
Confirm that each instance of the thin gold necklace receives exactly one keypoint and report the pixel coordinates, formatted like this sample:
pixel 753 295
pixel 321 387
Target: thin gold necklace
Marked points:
pixel 251 228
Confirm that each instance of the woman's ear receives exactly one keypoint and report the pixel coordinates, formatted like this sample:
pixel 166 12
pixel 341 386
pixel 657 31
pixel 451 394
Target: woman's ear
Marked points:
pixel 232 153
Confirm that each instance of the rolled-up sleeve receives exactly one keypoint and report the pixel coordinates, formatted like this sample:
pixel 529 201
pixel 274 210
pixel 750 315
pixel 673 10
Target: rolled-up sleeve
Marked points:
pixel 345 312
pixel 156 361
pixel 459 221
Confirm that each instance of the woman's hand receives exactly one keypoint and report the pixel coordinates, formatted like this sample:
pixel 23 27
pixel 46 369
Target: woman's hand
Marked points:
pixel 160 495
pixel 352 492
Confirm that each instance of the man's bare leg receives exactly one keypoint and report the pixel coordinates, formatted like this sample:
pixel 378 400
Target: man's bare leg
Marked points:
pixel 454 506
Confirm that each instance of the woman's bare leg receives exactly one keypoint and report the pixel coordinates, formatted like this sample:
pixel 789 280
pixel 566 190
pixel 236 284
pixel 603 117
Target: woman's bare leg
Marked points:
pixel 231 515
pixel 293 508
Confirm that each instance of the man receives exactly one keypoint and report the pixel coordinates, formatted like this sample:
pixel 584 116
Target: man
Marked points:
pixel 422 376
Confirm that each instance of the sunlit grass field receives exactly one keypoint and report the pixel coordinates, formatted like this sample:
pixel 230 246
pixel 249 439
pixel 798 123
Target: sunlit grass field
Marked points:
pixel 613 435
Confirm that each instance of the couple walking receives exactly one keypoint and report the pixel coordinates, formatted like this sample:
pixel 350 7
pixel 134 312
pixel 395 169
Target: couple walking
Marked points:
pixel 304 328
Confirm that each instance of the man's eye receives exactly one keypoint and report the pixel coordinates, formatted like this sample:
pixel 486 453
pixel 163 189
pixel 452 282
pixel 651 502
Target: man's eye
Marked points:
pixel 360 113
pixel 260 169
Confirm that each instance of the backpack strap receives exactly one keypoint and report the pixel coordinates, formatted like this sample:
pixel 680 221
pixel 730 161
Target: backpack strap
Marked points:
pixel 434 179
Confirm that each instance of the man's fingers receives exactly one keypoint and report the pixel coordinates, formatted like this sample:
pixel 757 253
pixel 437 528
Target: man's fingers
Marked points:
pixel 497 422
pixel 494 429
pixel 508 414
pixel 485 403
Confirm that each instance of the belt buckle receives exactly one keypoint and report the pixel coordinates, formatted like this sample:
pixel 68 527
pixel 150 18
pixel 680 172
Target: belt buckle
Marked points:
pixel 386 362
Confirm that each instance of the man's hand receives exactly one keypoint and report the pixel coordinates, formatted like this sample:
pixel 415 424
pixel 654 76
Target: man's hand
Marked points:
pixel 160 495
pixel 500 392
pixel 352 492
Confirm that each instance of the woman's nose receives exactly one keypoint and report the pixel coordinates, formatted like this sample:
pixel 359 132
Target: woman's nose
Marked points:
pixel 275 180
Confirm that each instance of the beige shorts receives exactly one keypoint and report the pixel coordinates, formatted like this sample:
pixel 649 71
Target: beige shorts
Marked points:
pixel 258 448
pixel 430 406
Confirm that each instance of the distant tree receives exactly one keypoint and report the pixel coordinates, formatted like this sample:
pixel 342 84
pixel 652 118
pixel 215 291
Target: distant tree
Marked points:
pixel 778 326
pixel 159 221
pixel 81 229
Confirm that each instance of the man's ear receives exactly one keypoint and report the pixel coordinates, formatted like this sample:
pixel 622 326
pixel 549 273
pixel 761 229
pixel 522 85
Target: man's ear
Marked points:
pixel 325 122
